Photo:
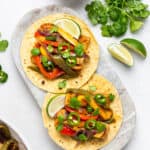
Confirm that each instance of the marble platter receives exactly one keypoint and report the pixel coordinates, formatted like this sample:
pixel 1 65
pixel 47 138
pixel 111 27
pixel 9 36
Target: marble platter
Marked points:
pixel 15 135
pixel 129 120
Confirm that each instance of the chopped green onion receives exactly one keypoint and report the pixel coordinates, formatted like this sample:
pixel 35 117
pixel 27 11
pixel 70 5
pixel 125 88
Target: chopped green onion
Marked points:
pixel 35 51
pixel 62 84
pixel 44 59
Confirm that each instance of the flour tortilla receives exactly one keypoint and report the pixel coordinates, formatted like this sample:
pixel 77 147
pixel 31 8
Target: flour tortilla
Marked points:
pixel 104 87
pixel 52 85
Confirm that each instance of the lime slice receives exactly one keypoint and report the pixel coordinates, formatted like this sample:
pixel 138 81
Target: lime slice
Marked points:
pixel 55 104
pixel 121 53
pixel 69 26
pixel 135 45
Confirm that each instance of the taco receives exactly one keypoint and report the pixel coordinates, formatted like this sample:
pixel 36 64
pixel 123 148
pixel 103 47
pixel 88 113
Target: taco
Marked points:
pixel 51 53
pixel 87 118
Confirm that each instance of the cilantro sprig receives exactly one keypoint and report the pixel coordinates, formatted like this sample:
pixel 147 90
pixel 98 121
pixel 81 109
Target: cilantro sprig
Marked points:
pixel 116 15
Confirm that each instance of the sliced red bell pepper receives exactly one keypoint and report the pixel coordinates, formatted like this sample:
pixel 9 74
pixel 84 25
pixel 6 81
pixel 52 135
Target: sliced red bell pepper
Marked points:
pixel 42 39
pixel 56 72
pixel 67 131
pixel 82 116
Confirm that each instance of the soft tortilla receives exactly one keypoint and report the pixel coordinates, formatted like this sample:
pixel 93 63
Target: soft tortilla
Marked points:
pixel 104 87
pixel 52 85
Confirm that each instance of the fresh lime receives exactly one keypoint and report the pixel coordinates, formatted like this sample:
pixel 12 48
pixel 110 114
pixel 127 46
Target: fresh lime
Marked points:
pixel 135 45
pixel 69 26
pixel 135 25
pixel 121 53
pixel 55 104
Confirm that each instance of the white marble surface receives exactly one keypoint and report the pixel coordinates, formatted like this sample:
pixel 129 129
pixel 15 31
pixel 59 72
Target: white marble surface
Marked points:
pixel 17 105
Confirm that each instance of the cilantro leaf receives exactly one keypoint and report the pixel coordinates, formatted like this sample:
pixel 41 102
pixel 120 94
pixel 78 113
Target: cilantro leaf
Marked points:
pixel 74 103
pixel 3 45
pixel 62 84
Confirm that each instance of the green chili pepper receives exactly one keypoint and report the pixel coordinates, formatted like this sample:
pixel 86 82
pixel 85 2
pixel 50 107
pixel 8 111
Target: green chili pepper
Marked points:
pixel 3 76
pixel 60 46
pixel 89 109
pixel 100 126
pixel 100 99
pixel 71 61
pixel 66 54
pixel 35 51
pixel 50 38
pixel 90 124
pixel 73 119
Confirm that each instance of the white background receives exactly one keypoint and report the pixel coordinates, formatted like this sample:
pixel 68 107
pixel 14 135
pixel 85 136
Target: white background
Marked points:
pixel 19 108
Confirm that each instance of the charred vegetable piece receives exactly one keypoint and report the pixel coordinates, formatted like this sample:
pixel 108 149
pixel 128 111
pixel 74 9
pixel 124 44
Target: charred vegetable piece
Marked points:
pixel 4 133
pixel 50 75
pixel 73 119
pixel 10 145
pixel 90 124
pixel 80 92
pixel 51 38
pixel 105 114
pixel 34 68
pixel 62 64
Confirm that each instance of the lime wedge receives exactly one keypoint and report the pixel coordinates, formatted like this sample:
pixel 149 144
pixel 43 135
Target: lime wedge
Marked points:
pixel 55 104
pixel 135 25
pixel 135 45
pixel 69 26
pixel 121 53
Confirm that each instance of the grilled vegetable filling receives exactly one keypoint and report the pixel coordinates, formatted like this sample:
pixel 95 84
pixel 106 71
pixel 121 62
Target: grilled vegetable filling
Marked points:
pixel 55 55
pixel 85 115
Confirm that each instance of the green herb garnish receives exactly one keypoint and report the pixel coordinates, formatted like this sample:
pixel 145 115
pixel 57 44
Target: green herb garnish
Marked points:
pixel 3 45
pixel 50 48
pixel 92 88
pixel 50 38
pixel 111 97
pixel 60 119
pixel 96 112
pixel 74 103
pixel 3 76
pixel 54 29
pixel 59 127
pixel 79 50
pixel 62 84
pixel 100 126
pixel 35 51
pixel 115 15
pixel 82 137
